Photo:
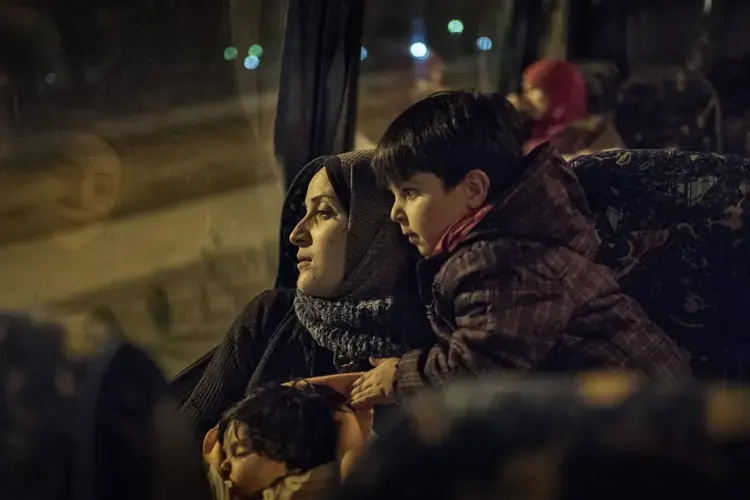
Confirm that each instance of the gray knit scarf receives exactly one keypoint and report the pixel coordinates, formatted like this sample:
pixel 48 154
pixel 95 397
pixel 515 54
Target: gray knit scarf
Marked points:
pixel 359 329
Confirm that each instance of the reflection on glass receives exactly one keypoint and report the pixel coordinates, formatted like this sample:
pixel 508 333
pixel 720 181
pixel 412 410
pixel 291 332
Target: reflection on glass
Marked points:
pixel 135 147
pixel 416 48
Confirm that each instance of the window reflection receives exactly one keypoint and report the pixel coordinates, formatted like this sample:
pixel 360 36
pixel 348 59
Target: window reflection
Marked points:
pixel 135 145
pixel 413 49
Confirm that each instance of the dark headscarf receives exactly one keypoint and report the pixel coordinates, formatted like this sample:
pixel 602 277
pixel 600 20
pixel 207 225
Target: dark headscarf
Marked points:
pixel 339 179
pixel 378 257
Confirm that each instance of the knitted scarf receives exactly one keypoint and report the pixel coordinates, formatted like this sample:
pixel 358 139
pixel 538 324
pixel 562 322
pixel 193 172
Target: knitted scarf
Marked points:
pixel 359 329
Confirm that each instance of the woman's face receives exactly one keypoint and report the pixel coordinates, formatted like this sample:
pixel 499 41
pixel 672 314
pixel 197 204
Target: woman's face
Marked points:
pixel 244 471
pixel 321 239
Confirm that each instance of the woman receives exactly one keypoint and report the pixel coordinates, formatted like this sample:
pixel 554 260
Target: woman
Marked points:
pixel 356 294
pixel 554 102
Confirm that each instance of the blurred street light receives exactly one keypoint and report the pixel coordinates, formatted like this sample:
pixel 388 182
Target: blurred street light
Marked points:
pixel 456 27
pixel 251 62
pixel 230 53
pixel 484 43
pixel 419 50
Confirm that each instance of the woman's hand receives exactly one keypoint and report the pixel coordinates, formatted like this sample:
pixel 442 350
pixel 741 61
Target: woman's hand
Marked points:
pixel 376 386
pixel 341 382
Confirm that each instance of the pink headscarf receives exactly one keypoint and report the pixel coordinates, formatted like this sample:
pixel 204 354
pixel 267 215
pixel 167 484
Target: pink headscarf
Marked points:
pixel 565 90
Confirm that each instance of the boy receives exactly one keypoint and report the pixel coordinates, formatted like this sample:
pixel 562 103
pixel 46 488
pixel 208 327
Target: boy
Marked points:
pixel 296 438
pixel 508 247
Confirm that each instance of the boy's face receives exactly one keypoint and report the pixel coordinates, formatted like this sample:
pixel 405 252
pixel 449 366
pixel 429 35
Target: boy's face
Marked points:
pixel 425 209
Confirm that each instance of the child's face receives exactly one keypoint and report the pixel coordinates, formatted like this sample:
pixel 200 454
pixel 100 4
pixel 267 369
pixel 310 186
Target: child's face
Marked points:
pixel 425 209
pixel 245 471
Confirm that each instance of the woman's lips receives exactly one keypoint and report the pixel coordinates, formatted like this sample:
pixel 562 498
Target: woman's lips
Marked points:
pixel 303 264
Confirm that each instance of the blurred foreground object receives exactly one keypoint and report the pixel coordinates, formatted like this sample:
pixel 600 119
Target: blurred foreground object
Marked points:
pixel 598 436
pixel 91 428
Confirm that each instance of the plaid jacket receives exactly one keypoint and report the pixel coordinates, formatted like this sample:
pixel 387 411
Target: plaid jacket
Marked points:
pixel 523 292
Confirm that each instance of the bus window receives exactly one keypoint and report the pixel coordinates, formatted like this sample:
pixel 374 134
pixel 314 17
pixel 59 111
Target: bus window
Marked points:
pixel 413 48
pixel 135 139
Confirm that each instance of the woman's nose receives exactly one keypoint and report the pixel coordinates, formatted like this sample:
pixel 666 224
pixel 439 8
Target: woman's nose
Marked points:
pixel 298 235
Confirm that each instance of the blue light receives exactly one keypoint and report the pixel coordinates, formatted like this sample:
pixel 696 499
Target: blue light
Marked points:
pixel 419 50
pixel 252 62
pixel 484 43
pixel 363 54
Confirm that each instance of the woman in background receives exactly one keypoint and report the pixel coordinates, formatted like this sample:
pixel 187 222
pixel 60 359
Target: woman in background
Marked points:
pixel 554 103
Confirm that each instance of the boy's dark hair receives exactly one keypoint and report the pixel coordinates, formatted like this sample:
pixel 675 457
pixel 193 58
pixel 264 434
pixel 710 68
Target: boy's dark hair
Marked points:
pixel 291 424
pixel 450 133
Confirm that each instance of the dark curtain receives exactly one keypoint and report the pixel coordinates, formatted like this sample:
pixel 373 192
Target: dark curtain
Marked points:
pixel 520 41
pixel 597 31
pixel 663 33
pixel 318 87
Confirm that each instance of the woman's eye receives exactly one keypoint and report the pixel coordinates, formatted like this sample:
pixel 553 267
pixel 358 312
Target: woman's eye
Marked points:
pixel 324 214
pixel 409 193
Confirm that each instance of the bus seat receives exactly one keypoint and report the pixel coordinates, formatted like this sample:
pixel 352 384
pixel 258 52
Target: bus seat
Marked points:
pixel 675 228
pixel 668 108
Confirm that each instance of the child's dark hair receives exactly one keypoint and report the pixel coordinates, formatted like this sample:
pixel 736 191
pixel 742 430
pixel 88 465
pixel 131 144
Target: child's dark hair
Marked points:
pixel 294 424
pixel 450 133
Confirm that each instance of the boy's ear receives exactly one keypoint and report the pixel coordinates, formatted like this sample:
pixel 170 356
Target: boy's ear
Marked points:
pixel 477 186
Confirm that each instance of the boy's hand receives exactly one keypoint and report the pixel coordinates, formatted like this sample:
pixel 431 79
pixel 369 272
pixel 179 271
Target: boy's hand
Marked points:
pixel 376 386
